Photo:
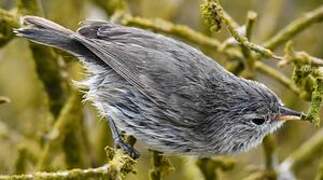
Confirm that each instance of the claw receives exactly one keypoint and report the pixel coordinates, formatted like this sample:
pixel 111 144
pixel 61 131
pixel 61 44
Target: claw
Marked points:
pixel 131 151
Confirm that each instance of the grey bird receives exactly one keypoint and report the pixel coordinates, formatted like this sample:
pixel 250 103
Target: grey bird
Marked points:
pixel 164 92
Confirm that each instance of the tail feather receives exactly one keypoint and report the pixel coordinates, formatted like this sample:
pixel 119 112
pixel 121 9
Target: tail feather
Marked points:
pixel 46 32
pixel 43 23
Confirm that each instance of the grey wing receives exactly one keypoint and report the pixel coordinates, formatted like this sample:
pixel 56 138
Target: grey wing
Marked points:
pixel 170 73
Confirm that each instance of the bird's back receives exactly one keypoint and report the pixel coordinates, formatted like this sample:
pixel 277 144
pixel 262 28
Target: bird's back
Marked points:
pixel 166 71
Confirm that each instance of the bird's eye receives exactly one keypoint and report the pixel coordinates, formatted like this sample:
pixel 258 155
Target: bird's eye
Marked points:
pixel 258 121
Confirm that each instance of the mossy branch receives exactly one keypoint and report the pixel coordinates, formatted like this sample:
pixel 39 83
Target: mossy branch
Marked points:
pixel 120 162
pixel 308 76
pixel 313 114
pixel 118 167
pixel 299 58
pixel 100 172
pixel 215 9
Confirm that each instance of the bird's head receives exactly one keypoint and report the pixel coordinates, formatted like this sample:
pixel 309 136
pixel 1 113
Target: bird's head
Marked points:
pixel 247 112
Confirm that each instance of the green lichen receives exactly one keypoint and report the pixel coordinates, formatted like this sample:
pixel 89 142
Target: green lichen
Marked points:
pixel 309 77
pixel 210 13
pixel 120 163
pixel 313 114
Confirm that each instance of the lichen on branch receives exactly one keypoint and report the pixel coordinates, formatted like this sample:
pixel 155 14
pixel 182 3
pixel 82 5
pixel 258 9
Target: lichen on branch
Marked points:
pixel 308 75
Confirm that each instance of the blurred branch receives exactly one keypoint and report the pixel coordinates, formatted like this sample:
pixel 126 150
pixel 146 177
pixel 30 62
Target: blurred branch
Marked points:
pixel 47 65
pixel 161 166
pixel 295 27
pixel 63 126
pixel 269 144
pixel 312 149
pixel 74 142
pixel 180 31
pixel 210 166
pixel 261 175
pixel 25 155
pixel 319 175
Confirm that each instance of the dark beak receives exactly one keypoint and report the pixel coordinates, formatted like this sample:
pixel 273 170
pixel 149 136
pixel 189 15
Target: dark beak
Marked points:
pixel 288 114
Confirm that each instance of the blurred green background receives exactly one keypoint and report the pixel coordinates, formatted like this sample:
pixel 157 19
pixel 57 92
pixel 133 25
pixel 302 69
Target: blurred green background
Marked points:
pixel 24 121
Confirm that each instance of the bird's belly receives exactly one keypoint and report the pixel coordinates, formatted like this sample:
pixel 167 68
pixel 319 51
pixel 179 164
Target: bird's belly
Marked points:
pixel 135 114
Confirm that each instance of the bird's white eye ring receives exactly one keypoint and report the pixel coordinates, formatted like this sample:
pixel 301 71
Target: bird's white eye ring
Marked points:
pixel 258 121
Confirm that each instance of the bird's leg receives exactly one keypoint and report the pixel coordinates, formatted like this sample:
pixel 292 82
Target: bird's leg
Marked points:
pixel 119 142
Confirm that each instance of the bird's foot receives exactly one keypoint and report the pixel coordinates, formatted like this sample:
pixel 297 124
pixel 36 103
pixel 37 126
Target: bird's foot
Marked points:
pixel 131 151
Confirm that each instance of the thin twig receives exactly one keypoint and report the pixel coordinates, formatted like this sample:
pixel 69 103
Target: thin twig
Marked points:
pixel 250 60
pixel 251 19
